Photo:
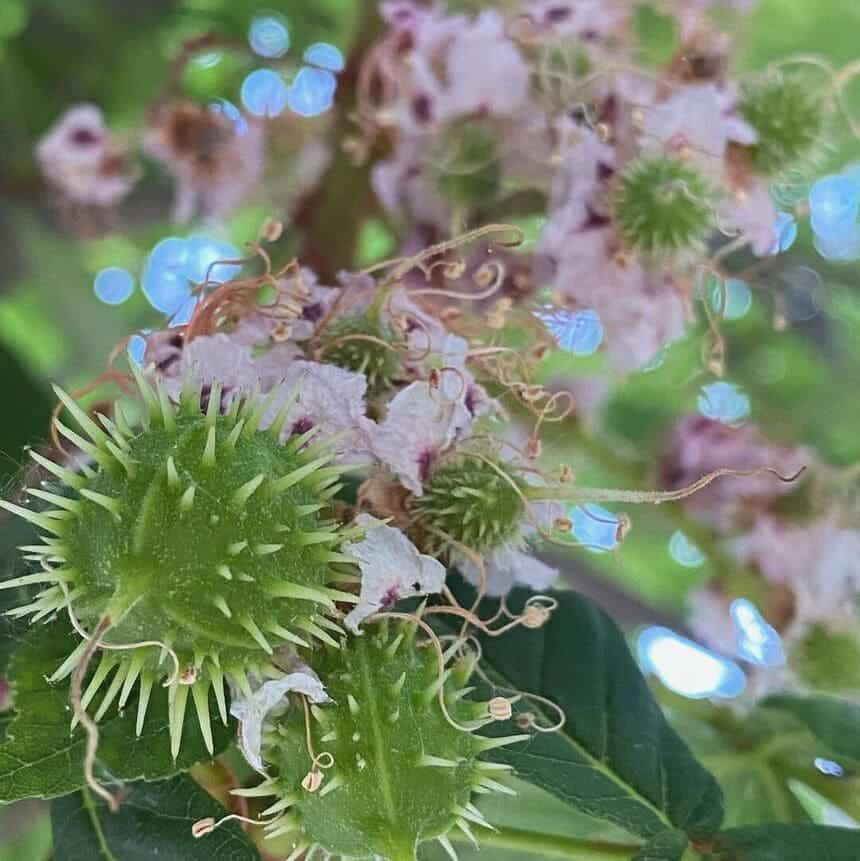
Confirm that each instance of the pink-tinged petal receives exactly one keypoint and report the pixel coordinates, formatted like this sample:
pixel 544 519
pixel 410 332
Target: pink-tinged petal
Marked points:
pixel 391 568
pixel 699 445
pixel 330 398
pixel 507 567
pixel 79 158
pixel 419 426
pixel 271 695
pixel 752 214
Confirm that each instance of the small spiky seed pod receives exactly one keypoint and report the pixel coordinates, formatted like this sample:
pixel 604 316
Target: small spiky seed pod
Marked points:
pixel 359 343
pixel 660 206
pixel 401 773
pixel 199 532
pixel 828 661
pixel 475 501
pixel 789 118
pixel 466 163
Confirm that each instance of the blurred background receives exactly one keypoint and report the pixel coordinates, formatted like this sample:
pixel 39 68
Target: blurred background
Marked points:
pixel 120 55
pixel 793 347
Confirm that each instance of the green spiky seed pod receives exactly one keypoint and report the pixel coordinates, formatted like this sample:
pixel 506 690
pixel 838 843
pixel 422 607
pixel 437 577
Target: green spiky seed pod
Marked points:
pixel 789 118
pixel 359 343
pixel 199 532
pixel 828 661
pixel 401 774
pixel 466 163
pixel 660 206
pixel 475 501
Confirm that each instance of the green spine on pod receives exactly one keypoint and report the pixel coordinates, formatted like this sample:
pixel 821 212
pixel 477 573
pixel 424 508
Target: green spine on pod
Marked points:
pixel 359 343
pixel 475 501
pixel 661 206
pixel 198 531
pixel 400 773
pixel 789 119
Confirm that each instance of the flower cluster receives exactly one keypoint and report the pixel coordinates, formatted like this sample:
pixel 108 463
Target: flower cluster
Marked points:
pixel 797 544
pixel 215 153
pixel 403 394
pixel 82 161
pixel 303 466
pixel 219 527
pixel 632 170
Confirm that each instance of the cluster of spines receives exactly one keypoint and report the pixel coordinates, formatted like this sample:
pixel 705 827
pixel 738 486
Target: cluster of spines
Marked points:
pixel 365 345
pixel 475 501
pixel 467 165
pixel 110 449
pixel 343 728
pixel 788 117
pixel 660 206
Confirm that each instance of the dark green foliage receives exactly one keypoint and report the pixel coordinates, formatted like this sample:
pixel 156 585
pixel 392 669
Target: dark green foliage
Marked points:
pixel 785 843
pixel 154 821
pixel 616 757
pixel 41 758
pixel 29 419
pixel 833 722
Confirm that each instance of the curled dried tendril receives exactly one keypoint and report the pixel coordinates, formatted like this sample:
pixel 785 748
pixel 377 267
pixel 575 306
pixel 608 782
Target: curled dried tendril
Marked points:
pixel 313 780
pixel 89 725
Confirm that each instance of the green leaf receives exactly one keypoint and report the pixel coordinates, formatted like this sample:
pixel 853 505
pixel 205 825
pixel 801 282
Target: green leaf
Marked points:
pixel 154 821
pixel 616 757
pixel 30 417
pixel 13 532
pixel 834 722
pixel 820 809
pixel 534 826
pixel 668 846
pixel 755 790
pixel 26 832
pixel 786 843
pixel 40 757
pixel 746 755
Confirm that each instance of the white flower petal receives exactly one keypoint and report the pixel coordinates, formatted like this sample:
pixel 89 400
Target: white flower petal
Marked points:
pixel 330 398
pixel 208 359
pixel 251 713
pixel 420 424
pixel 506 567
pixel 391 568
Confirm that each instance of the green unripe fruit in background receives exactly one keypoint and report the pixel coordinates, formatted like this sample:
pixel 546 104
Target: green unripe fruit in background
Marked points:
pixel 661 206
pixel 474 501
pixel 466 163
pixel 399 772
pixel 828 661
pixel 788 117
pixel 200 533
